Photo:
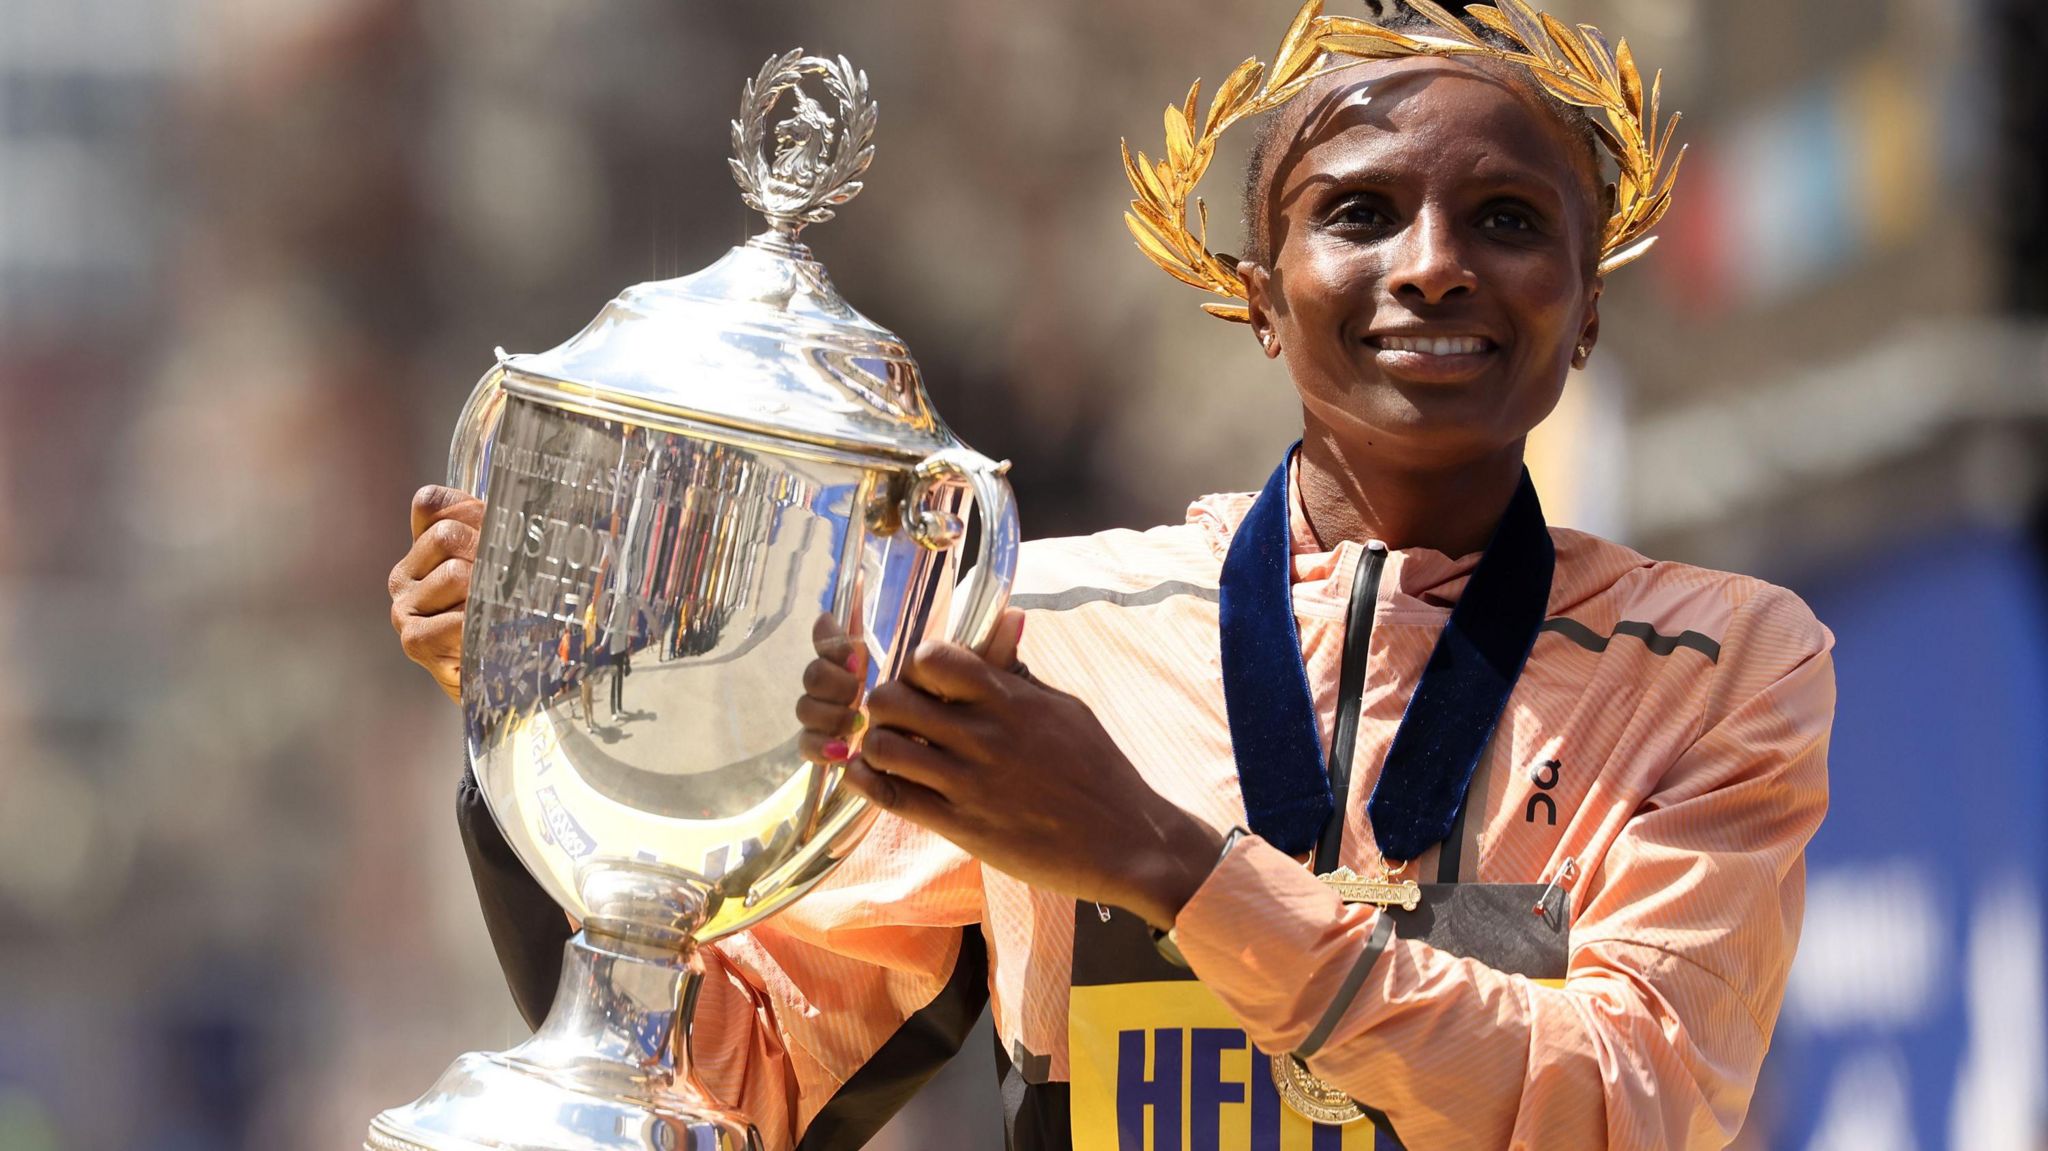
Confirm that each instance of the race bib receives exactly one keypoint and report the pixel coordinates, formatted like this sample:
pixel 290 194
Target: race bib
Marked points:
pixel 1164 1067
pixel 1158 1063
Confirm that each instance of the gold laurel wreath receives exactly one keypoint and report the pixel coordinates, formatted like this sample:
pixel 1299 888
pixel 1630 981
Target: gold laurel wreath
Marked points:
pixel 1573 64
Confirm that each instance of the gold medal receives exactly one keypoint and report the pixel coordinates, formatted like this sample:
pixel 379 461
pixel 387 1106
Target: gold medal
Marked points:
pixel 1310 1097
pixel 1386 891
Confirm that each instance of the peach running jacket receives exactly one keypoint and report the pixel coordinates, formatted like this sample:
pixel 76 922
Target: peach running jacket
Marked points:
pixel 1669 734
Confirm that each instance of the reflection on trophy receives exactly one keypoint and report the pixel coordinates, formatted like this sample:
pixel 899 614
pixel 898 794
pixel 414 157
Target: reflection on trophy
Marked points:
pixel 675 495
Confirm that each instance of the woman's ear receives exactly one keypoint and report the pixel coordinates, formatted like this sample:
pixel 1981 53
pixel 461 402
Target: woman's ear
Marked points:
pixel 1258 290
pixel 1589 328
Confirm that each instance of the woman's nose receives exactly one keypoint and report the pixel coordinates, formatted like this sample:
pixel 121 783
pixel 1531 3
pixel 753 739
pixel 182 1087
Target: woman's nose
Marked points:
pixel 1429 263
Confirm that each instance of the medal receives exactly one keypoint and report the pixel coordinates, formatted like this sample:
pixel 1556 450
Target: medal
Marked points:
pixel 1310 1097
pixel 1387 891
pixel 1299 1087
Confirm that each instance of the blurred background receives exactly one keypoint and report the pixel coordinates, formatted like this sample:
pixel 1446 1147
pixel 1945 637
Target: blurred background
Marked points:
pixel 253 254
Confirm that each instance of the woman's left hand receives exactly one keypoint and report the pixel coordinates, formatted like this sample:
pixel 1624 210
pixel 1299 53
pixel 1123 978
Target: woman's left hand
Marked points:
pixel 1024 777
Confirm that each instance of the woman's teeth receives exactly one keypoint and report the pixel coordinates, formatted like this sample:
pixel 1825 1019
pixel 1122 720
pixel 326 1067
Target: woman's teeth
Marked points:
pixel 1436 346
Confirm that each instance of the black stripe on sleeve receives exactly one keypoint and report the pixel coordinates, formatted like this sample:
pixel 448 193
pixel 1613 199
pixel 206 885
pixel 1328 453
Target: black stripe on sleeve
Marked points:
pixel 1075 597
pixel 910 1057
pixel 527 927
pixel 1382 934
pixel 1036 1116
pixel 1657 642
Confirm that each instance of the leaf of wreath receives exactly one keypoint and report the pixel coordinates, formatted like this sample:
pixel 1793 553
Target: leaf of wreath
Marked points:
pixel 1528 25
pixel 1180 143
pixel 1569 48
pixel 1138 173
pixel 1372 47
pixel 1297 45
pixel 1224 272
pixel 1436 15
pixel 1161 252
pixel 1603 56
pixel 1492 17
pixel 1656 100
pixel 1351 26
pixel 1241 82
pixel 1627 189
pixel 1570 89
pixel 1301 66
pixel 1664 145
pixel 1608 139
pixel 1153 214
pixel 1631 80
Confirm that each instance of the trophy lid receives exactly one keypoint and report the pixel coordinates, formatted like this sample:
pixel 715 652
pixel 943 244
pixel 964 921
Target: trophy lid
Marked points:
pixel 760 341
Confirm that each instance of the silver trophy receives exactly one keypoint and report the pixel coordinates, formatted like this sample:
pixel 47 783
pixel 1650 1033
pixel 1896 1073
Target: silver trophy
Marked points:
pixel 676 495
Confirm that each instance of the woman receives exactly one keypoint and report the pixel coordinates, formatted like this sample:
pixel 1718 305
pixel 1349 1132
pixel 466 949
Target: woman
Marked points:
pixel 1606 767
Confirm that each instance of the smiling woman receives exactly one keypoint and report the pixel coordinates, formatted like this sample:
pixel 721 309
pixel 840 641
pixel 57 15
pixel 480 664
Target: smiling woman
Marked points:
pixel 1180 852
pixel 1428 282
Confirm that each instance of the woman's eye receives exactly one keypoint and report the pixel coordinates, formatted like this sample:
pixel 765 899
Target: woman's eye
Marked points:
pixel 1358 214
pixel 1507 220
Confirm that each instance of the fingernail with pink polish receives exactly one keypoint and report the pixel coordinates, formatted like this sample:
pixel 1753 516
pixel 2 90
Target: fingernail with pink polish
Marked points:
pixel 853 660
pixel 837 750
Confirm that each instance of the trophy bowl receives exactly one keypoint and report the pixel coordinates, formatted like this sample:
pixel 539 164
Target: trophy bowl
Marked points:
pixel 676 497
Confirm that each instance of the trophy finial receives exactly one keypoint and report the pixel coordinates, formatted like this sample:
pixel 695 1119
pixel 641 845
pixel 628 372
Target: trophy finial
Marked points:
pixel 796 170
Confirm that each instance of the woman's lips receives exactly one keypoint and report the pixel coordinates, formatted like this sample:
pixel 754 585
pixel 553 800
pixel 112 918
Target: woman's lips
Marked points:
pixel 1433 359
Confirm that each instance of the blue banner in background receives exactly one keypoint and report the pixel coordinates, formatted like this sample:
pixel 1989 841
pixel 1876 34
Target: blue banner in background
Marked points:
pixel 1914 1019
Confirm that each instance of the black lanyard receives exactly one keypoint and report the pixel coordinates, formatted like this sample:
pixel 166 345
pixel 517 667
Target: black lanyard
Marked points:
pixel 1365 597
pixel 1291 799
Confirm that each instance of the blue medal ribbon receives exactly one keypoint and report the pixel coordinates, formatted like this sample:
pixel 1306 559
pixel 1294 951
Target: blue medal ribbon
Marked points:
pixel 1464 688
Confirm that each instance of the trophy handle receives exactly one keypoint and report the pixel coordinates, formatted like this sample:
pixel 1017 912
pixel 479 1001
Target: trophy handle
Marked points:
pixel 469 453
pixel 986 593
pixel 986 590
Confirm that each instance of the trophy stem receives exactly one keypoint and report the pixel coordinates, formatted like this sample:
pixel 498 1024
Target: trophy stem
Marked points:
pixel 781 239
pixel 605 1072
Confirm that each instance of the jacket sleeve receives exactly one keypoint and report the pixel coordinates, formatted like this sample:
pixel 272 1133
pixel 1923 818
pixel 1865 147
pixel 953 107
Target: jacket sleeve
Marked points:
pixel 817 1023
pixel 527 927
pixel 1680 952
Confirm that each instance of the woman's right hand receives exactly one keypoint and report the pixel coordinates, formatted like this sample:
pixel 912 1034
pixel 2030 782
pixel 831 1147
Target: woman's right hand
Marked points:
pixel 431 584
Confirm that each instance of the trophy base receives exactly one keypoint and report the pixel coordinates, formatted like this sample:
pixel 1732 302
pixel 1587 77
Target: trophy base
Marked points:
pixel 599 1075
pixel 488 1102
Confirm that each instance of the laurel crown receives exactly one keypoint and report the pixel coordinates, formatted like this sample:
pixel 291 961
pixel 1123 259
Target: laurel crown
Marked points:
pixel 1572 63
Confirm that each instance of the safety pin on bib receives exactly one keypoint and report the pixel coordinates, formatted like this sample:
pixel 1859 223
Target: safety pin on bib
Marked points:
pixel 1566 872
